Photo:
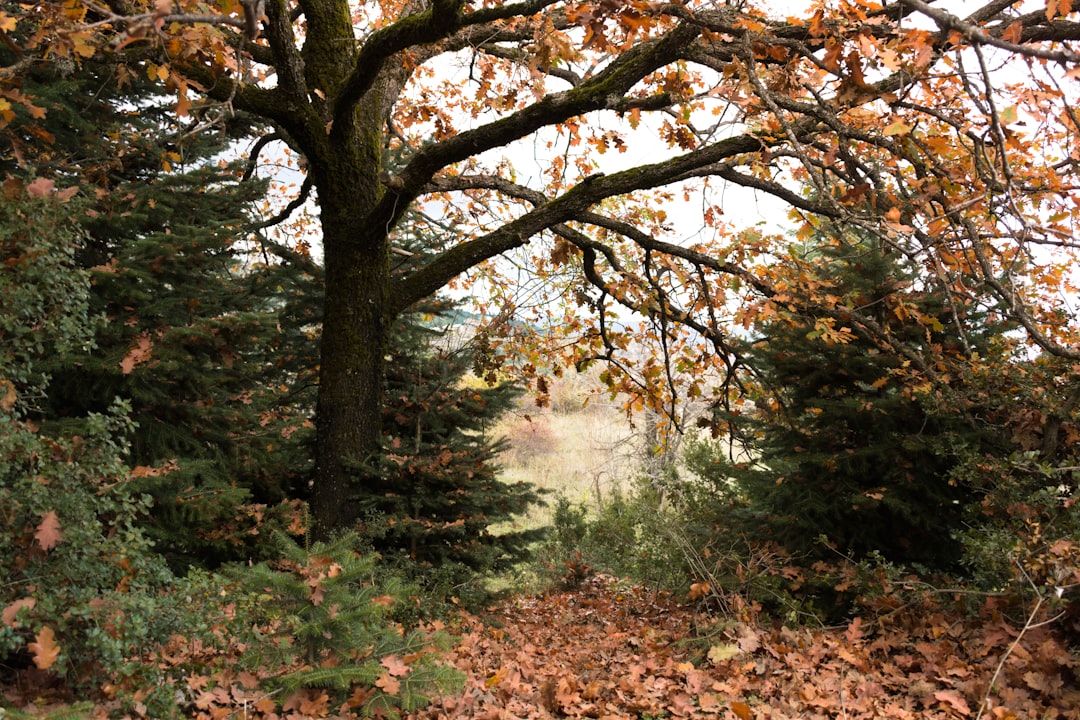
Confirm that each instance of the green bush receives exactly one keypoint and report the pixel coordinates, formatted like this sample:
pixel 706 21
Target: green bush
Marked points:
pixel 323 620
pixel 644 534
pixel 79 581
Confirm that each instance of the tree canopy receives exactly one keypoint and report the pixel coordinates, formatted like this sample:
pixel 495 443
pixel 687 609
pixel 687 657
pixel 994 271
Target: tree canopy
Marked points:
pixel 949 133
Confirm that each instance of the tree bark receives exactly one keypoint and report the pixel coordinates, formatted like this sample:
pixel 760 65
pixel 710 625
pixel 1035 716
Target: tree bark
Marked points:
pixel 352 351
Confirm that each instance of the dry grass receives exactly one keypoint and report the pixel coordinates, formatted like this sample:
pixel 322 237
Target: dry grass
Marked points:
pixel 582 453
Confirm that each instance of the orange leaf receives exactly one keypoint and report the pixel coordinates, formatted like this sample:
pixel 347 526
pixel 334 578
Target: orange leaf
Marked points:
pixel 741 709
pixel 8 396
pixel 48 532
pixel 44 649
pixel 1014 32
pixel 139 353
pixel 388 685
pixel 698 590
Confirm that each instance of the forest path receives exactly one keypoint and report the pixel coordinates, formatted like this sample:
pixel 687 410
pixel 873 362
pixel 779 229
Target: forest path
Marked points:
pixel 606 649
pixel 603 649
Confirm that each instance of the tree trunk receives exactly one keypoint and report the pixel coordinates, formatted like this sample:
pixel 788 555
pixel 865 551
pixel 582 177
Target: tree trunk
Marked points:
pixel 352 354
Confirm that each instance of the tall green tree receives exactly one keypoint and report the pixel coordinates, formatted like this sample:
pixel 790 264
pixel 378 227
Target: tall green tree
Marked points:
pixel 433 491
pixel 841 445
pixel 196 336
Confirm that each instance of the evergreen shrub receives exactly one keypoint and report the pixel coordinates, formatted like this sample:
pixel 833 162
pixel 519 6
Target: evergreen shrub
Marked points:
pixel 324 619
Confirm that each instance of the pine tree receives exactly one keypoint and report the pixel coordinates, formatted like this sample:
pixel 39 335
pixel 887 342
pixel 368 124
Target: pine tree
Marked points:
pixel 842 448
pixel 433 493
pixel 194 337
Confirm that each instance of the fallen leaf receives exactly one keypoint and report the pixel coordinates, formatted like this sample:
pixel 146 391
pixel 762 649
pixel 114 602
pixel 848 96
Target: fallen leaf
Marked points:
pixel 741 709
pixel 953 699
pixel 748 640
pixel 48 532
pixel 44 649
pixel 388 685
pixel 315 706
pixel 720 653
pixel 395 666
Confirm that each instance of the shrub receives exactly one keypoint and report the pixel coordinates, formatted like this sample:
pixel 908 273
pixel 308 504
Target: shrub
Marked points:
pixel 78 578
pixel 530 437
pixel 324 621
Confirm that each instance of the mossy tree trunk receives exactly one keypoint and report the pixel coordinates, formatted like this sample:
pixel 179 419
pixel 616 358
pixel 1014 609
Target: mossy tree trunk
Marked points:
pixel 350 376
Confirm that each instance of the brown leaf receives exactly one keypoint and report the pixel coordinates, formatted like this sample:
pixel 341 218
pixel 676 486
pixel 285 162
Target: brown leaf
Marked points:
pixel 9 613
pixel 315 705
pixel 395 666
pixel 48 532
pixel 748 640
pixel 139 353
pixel 41 187
pixel 953 699
pixel 8 396
pixel 197 682
pixel 44 649
pixel 388 685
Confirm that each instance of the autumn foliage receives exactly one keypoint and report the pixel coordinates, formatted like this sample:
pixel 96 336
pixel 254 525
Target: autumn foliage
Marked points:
pixel 583 171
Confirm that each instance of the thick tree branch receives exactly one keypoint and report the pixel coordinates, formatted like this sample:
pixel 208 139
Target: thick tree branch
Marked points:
pixel 505 12
pixel 605 90
pixel 947 21
pixel 441 20
pixel 287 61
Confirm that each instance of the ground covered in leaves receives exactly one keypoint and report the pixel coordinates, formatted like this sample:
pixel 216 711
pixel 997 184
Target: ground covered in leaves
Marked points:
pixel 609 650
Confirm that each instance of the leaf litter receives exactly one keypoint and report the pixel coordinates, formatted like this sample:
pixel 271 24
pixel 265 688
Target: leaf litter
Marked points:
pixel 609 650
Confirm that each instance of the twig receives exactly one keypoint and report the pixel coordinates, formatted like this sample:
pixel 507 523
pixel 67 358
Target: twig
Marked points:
pixel 1001 664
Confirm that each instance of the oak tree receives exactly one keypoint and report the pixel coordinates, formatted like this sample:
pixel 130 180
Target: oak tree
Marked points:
pixel 950 135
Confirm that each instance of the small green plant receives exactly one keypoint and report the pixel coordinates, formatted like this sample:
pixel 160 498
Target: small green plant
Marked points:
pixel 327 624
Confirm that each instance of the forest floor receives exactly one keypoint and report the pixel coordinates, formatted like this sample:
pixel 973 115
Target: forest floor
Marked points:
pixel 605 649
pixel 609 649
